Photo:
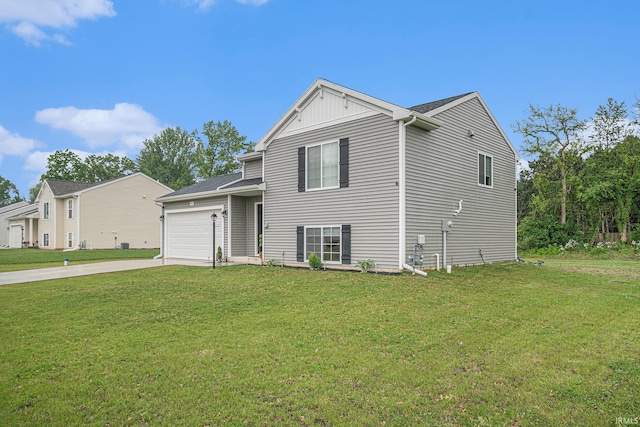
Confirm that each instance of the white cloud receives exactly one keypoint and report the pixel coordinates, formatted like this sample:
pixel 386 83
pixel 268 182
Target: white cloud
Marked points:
pixel 12 144
pixel 124 127
pixel 28 18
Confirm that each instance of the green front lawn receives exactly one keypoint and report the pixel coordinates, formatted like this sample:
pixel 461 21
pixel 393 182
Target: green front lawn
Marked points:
pixel 506 344
pixel 28 259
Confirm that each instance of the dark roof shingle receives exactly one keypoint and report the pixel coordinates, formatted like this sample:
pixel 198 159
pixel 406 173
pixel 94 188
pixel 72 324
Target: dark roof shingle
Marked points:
pixel 210 184
pixel 424 108
pixel 60 188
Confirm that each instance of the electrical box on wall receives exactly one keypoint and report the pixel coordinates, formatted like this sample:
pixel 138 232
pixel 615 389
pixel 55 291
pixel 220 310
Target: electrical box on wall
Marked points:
pixel 422 239
pixel 446 225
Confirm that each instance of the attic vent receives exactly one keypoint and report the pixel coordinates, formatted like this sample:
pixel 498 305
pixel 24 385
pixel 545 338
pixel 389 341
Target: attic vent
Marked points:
pixel 298 111
pixel 346 102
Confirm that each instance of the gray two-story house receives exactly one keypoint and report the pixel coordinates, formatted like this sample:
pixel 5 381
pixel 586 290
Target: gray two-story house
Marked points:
pixel 350 177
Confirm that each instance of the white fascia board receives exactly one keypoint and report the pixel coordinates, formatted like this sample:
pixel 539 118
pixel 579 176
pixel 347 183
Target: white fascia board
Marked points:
pixel 250 156
pixel 422 121
pixel 213 193
pixel 464 99
pixel 321 84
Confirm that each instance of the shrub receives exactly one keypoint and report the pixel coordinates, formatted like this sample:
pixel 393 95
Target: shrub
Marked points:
pixel 219 254
pixel 271 262
pixel 314 261
pixel 365 265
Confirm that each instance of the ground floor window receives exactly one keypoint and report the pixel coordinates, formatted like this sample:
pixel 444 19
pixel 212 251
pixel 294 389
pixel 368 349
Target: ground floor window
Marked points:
pixel 70 240
pixel 324 242
pixel 45 240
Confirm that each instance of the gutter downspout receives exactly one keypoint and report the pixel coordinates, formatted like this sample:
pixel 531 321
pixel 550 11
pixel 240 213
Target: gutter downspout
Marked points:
pixel 402 184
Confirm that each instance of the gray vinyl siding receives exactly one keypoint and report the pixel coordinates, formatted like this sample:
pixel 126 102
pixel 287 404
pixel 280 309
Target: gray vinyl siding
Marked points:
pixel 243 231
pixel 200 203
pixel 253 169
pixel 442 169
pixel 369 204
pixel 239 226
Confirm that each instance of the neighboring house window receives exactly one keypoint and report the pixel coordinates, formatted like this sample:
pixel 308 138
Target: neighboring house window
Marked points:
pixel 70 240
pixel 46 210
pixel 324 165
pixel 485 170
pixel 45 239
pixel 70 209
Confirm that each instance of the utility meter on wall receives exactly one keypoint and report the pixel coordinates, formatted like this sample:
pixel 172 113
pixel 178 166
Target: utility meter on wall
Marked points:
pixel 446 225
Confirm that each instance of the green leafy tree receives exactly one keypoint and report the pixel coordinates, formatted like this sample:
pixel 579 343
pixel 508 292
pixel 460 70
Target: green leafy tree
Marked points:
pixel 554 131
pixel 169 158
pixel 65 165
pixel 217 156
pixel 109 166
pixel 68 166
pixel 9 193
pixel 610 125
pixel 33 192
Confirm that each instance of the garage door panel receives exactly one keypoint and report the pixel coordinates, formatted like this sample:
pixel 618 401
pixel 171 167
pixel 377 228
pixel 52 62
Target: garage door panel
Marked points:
pixel 189 235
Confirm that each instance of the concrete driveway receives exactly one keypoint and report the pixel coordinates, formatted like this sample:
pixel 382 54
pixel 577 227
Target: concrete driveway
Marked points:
pixel 88 269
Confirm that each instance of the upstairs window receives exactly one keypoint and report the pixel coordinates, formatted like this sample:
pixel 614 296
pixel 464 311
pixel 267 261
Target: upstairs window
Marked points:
pixel 45 212
pixel 485 170
pixel 323 165
pixel 70 208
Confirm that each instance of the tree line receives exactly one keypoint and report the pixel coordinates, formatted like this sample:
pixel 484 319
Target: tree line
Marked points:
pixel 583 180
pixel 175 157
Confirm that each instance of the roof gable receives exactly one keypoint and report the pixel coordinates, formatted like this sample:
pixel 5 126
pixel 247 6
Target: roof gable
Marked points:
pixel 448 103
pixel 325 103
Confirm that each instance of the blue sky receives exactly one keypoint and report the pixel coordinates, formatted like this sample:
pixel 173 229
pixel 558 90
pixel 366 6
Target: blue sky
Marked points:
pixel 98 76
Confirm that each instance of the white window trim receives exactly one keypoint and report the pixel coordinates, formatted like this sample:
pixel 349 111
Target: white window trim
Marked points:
pixel 46 240
pixel 70 209
pixel 306 256
pixel 306 166
pixel 46 211
pixel 485 165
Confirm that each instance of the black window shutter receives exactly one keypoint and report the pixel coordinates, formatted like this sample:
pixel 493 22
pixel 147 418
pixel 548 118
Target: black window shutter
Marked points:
pixel 300 244
pixel 344 162
pixel 301 171
pixel 346 244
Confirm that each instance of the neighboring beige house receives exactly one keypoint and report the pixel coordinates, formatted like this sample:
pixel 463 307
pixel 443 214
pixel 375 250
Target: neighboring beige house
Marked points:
pixel 6 234
pixel 23 227
pixel 118 213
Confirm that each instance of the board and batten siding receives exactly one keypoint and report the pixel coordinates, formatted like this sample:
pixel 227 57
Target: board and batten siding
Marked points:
pixel 184 205
pixel 369 204
pixel 253 169
pixel 442 169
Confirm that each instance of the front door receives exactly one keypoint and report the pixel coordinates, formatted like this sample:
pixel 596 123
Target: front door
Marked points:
pixel 258 217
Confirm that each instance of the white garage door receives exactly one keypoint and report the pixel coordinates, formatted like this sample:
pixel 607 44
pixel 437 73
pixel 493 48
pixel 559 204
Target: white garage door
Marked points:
pixel 189 234
pixel 16 236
